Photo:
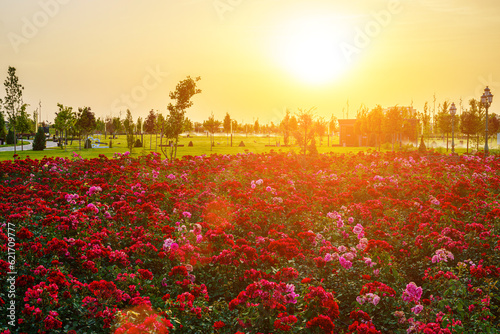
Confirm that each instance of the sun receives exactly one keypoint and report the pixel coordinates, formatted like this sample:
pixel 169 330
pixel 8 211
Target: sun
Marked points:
pixel 308 48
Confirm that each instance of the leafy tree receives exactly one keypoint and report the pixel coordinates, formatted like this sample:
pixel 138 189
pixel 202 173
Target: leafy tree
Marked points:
pixel 188 125
pixel 13 101
pixel 361 126
pixel 182 95
pixel 425 118
pixel 3 131
pixel 139 126
pixel 471 121
pixel 109 126
pixel 117 125
pixel 256 126
pixel 320 126
pixel 421 147
pixel 99 125
pixel 128 123
pixel 444 121
pixel 376 123
pixel 160 122
pixel 39 143
pixel 63 121
pixel 304 134
pixel 286 127
pixel 22 123
pixel 211 125
pixel 10 139
pixel 150 125
pixel 227 123
pixel 493 125
pixel 393 123
pixel 85 123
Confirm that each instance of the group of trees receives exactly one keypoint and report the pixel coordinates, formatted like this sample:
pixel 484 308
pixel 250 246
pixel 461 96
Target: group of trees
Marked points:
pixel 389 125
pixel 470 123
pixel 378 125
pixel 14 108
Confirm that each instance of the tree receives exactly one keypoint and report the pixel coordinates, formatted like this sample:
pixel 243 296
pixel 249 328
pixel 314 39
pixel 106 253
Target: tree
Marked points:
pixel 444 121
pixel 117 125
pixel 471 121
pixel 3 131
pixel 109 126
pixel 211 125
pixel 376 123
pixel 493 124
pixel 227 123
pixel 150 125
pixel 99 125
pixel 85 123
pixel 13 99
pixel 393 123
pixel 22 124
pixel 361 126
pixel 128 123
pixel 138 126
pixel 63 121
pixel 39 143
pixel 286 127
pixel 182 95
pixel 188 125
pixel 304 135
pixel 425 118
pixel 160 126
pixel 256 126
pixel 422 148
pixel 320 127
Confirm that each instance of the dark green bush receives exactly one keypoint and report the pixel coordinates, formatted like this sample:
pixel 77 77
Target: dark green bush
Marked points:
pixel 39 142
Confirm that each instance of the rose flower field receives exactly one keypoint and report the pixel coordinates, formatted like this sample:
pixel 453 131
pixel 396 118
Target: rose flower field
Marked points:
pixel 251 243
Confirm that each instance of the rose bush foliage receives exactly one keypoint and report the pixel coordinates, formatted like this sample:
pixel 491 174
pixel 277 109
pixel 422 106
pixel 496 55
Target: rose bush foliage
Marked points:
pixel 254 243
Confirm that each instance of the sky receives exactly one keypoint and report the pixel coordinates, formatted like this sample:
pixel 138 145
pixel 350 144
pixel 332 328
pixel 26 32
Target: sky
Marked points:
pixel 256 58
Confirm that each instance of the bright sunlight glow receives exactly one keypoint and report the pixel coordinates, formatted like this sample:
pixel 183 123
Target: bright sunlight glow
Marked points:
pixel 309 50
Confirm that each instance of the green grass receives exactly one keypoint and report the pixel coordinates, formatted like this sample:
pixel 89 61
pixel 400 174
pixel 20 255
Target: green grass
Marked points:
pixel 201 146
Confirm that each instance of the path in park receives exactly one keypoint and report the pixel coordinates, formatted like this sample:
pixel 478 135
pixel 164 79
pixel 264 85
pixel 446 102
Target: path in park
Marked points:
pixel 27 147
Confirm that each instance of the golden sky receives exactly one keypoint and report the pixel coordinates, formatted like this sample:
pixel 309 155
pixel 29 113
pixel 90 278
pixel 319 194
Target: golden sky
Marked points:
pixel 255 57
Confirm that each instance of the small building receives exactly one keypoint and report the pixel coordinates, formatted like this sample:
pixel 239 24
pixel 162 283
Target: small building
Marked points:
pixel 347 136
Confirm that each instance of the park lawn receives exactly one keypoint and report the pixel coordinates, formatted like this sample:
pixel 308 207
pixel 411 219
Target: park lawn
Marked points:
pixel 201 146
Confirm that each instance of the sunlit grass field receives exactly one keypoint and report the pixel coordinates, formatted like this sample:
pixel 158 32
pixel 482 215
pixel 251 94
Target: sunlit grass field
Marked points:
pixel 201 146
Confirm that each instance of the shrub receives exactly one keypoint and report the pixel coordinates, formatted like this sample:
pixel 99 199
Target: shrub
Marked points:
pixel 138 143
pixel 10 137
pixel 422 147
pixel 39 142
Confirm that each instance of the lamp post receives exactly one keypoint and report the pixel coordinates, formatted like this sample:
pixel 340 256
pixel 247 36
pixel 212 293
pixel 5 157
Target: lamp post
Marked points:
pixel 486 100
pixel 453 111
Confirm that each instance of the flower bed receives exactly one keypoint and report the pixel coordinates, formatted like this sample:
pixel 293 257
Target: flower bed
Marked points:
pixel 271 243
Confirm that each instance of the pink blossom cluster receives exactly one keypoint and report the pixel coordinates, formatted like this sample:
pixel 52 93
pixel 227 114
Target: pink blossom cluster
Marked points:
pixel 442 255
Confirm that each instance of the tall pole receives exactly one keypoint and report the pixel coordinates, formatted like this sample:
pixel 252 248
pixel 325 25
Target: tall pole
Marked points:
pixel 486 100
pixel 453 134
pixel 486 148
